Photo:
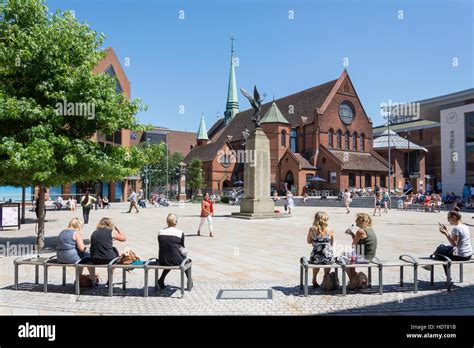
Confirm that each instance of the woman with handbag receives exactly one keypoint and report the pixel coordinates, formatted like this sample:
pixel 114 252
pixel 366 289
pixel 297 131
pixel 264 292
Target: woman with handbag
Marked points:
pixel 71 247
pixel 207 211
pixel 87 203
pixel 171 247
pixel 321 237
pixel 364 241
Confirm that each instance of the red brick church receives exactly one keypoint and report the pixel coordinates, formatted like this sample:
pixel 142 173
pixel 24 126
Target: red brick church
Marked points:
pixel 321 131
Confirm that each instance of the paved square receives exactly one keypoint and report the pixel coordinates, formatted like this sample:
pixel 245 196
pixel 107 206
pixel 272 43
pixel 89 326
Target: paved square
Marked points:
pixel 247 255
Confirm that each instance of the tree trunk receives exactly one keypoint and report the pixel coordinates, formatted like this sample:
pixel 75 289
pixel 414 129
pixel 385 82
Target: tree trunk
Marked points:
pixel 23 199
pixel 41 216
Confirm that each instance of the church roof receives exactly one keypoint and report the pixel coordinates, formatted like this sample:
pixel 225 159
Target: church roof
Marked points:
pixel 351 160
pixel 274 115
pixel 292 107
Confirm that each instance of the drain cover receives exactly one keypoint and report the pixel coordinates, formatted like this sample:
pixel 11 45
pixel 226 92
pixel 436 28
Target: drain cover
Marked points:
pixel 263 294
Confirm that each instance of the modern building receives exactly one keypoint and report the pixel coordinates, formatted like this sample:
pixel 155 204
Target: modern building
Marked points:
pixel 321 131
pixel 177 141
pixel 407 161
pixel 444 125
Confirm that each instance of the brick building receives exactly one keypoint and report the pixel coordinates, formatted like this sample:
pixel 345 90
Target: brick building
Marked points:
pixel 321 131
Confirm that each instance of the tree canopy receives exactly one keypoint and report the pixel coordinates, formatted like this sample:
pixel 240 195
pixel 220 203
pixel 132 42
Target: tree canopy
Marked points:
pixel 46 59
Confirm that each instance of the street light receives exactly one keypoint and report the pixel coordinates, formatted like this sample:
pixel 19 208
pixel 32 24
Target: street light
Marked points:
pixel 388 117
pixel 146 172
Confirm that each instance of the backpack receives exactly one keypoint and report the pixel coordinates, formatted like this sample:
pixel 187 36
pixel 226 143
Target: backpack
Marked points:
pixel 330 282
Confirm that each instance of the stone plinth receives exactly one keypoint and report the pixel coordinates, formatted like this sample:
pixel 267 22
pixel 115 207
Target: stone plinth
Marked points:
pixel 257 203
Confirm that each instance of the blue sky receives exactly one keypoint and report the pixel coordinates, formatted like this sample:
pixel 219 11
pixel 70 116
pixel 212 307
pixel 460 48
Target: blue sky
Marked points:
pixel 185 62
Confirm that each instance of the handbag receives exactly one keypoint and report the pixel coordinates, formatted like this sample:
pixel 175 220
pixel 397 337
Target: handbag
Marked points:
pixel 330 282
pixel 86 282
pixel 359 281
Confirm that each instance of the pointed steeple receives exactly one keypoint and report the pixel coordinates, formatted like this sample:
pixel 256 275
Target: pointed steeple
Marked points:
pixel 202 131
pixel 232 105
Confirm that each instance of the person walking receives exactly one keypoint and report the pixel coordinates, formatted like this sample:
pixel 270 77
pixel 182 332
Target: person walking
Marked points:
pixel 290 203
pixel 346 198
pixel 133 201
pixel 87 203
pixel 207 211
pixel 378 203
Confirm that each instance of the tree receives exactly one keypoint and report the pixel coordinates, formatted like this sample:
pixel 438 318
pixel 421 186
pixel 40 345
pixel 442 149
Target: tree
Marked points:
pixel 195 175
pixel 46 60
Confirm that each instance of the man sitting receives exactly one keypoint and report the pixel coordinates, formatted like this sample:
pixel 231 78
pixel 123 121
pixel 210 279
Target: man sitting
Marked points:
pixel 58 203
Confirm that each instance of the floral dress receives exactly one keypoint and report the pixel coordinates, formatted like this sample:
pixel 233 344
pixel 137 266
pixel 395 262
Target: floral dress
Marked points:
pixel 322 253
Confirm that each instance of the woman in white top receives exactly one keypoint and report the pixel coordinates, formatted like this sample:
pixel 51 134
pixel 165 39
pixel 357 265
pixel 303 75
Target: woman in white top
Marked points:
pixel 346 198
pixel 289 201
pixel 459 238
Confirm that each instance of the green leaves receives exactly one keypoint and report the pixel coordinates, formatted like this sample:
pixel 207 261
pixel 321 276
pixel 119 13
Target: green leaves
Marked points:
pixel 195 174
pixel 45 60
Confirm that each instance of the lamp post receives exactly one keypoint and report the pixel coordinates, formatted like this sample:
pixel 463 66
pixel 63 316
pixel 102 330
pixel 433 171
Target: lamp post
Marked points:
pixel 388 117
pixel 146 172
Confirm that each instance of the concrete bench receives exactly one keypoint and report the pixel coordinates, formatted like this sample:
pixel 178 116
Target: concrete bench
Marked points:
pixel 153 264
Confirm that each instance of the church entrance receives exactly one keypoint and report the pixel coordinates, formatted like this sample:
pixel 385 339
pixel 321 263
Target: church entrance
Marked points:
pixel 289 180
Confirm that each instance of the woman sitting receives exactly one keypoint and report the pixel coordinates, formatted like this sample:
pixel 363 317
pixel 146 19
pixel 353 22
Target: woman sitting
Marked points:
pixel 171 247
pixel 459 239
pixel 102 241
pixel 408 201
pixel 321 236
pixel 364 241
pixel 71 247
pixel 427 203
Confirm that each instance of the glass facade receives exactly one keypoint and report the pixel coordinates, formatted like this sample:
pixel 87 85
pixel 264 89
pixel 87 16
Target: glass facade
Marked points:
pixel 118 191
pixel 55 191
pixel 469 119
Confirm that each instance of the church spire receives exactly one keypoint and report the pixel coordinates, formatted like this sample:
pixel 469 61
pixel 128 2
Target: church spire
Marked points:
pixel 202 131
pixel 232 105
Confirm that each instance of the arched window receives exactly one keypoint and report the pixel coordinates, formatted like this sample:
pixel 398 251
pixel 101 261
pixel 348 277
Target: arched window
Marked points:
pixel 346 140
pixel 338 139
pixel 283 138
pixel 354 141
pixel 330 138
pixel 293 142
pixel 362 142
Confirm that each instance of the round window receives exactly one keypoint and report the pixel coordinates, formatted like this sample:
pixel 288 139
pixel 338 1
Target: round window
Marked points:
pixel 346 112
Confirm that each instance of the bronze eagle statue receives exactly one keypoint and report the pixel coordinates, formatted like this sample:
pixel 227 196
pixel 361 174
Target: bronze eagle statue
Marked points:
pixel 256 103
